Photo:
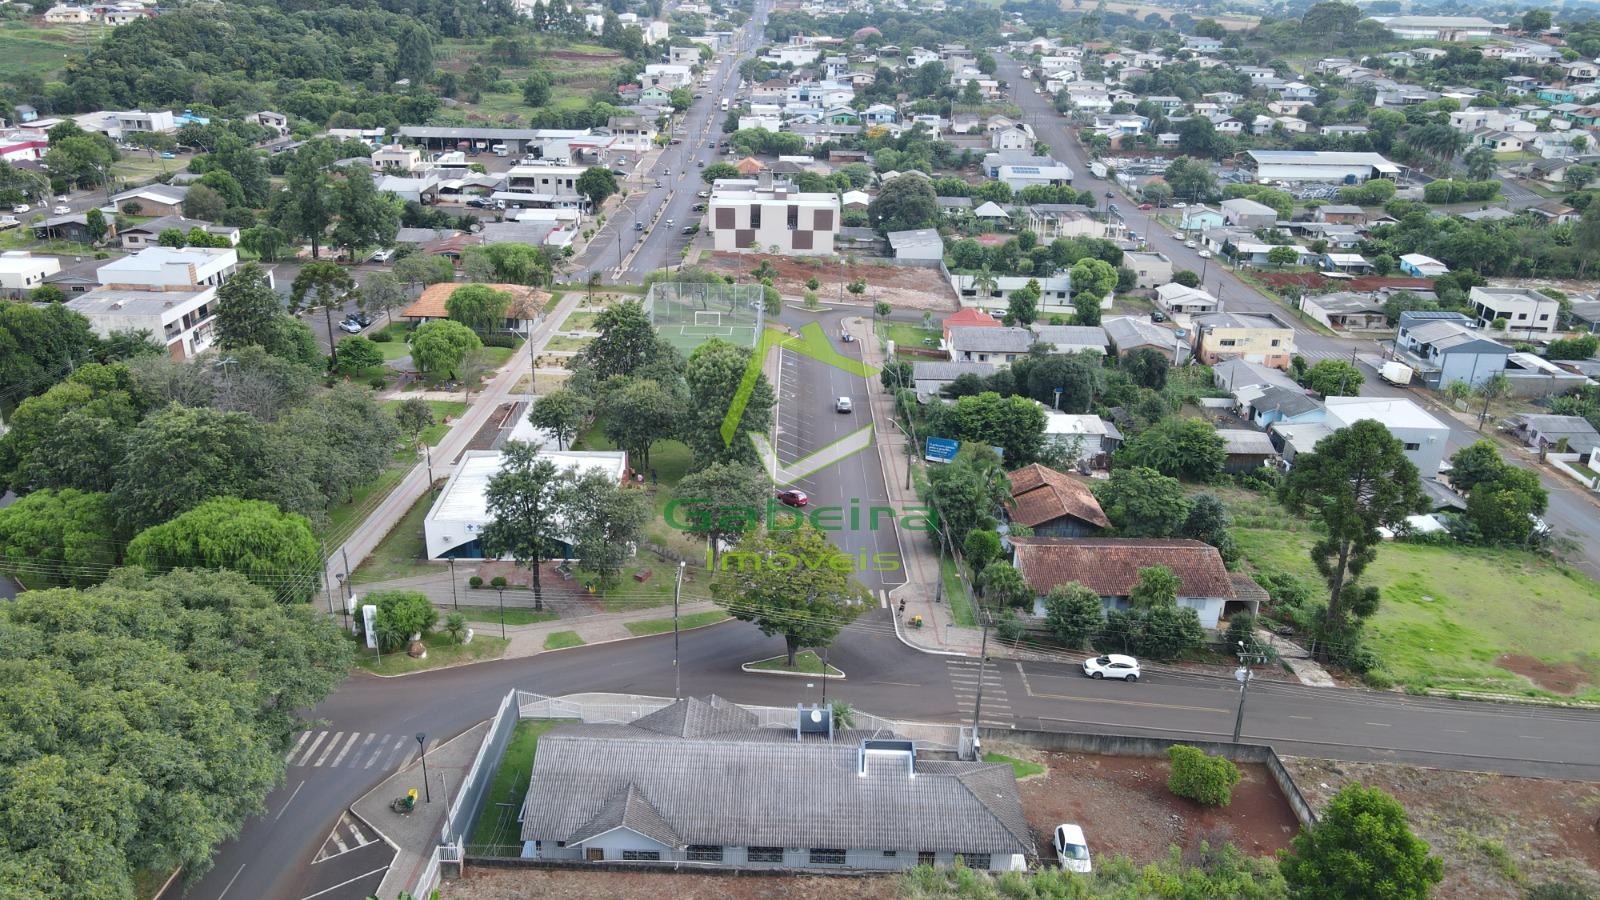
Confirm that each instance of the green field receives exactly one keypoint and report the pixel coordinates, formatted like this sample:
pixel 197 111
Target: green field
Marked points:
pixel 400 553
pixel 42 50
pixel 661 626
pixel 442 651
pixel 905 335
pixel 497 831
pixel 1450 613
pixel 489 614
pixel 442 409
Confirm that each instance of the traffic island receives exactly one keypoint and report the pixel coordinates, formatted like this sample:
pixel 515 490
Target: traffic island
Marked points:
pixel 807 664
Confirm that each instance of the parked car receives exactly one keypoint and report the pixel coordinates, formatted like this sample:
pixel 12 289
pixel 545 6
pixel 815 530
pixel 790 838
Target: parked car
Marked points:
pixel 792 497
pixel 1157 316
pixel 689 229
pixel 847 337
pixel 638 226
pixel 1110 194
pixel 1190 244
pixel 1204 254
pixel 700 163
pixel 481 203
pixel 619 173
pixel 698 207
pixel 1180 205
pixel 168 154
pixel 62 210
pixel 1146 206
pixel 350 326
pixel 1112 665
pixel 844 405
pixel 1072 851
pixel 384 255
pixel 21 208
pixel 669 223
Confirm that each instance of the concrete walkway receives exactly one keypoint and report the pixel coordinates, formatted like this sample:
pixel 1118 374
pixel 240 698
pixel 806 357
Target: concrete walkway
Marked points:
pixel 414 835
pixel 1308 670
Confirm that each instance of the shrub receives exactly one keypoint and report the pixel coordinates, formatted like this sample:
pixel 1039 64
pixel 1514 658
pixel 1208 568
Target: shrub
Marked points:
pixel 382 336
pixel 499 339
pixel 1205 779
pixel 455 624
pixel 498 582
pixel 475 582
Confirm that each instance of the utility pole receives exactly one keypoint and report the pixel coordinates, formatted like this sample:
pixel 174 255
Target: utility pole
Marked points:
pixel 977 703
pixel 1243 676
pixel 677 672
pixel 454 601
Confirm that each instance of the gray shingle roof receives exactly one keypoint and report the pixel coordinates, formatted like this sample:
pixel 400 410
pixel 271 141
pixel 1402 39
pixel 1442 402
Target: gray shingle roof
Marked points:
pixel 949 371
pixel 1290 403
pixel 730 791
pixel 1067 337
pixel 991 340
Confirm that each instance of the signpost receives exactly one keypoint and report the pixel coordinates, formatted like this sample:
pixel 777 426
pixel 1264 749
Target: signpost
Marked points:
pixel 941 450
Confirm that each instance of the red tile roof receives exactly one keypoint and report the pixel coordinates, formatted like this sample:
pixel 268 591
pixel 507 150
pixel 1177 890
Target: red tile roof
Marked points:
pixel 1040 494
pixel 525 301
pixel 968 317
pixel 1110 566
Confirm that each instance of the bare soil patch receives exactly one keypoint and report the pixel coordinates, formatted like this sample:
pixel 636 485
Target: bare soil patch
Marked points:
pixel 1125 809
pixel 1558 678
pixel 1318 281
pixel 904 287
pixel 1498 834
pixel 561 884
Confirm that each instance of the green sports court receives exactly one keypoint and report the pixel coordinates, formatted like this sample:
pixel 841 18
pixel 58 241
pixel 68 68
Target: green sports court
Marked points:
pixel 688 315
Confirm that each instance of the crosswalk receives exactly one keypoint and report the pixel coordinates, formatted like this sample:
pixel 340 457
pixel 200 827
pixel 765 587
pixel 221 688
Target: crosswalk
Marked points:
pixel 352 750
pixel 964 680
pixel 350 833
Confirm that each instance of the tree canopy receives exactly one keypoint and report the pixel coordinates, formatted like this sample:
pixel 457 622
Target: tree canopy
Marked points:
pixel 792 583
pixel 275 550
pixel 1361 846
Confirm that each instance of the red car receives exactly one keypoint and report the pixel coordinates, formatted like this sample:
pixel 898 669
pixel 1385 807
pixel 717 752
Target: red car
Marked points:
pixel 1146 206
pixel 793 498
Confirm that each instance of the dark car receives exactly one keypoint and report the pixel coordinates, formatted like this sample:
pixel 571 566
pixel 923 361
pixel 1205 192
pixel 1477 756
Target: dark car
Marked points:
pixel 698 207
pixel 619 172
pixel 792 497
pixel 1110 194
pixel 480 203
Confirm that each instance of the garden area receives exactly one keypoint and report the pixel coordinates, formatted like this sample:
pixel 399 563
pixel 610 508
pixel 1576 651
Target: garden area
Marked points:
pixel 497 831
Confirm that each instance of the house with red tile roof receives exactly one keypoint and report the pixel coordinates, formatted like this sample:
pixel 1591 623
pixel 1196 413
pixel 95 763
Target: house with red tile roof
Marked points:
pixel 1110 567
pixel 968 317
pixel 1053 504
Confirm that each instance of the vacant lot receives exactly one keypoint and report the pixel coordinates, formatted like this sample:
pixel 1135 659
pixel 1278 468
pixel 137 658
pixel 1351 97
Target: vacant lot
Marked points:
pixel 42 50
pixel 560 884
pixel 1125 809
pixel 1498 835
pixel 904 287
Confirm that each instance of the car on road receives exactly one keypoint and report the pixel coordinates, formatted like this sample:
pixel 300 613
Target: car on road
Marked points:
pixel 700 163
pixel 703 195
pixel 1146 206
pixel 168 154
pixel 847 337
pixel 844 405
pixel 669 223
pixel 658 182
pixel 21 208
pixel 1190 244
pixel 1157 316
pixel 676 141
pixel 638 226
pixel 62 209
pixel 619 172
pixel 690 229
pixel 1110 194
pixel 1112 665
pixel 792 497
pixel 384 255
pixel 1072 850
pixel 1180 205
pixel 698 207
pixel 481 203
pixel 1177 235
pixel 1204 254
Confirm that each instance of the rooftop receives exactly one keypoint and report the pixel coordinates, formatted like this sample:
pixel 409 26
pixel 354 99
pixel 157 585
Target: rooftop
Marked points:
pixel 1040 494
pixel 463 497
pixel 117 301
pixel 990 339
pixel 525 301
pixel 1392 413
pixel 1110 566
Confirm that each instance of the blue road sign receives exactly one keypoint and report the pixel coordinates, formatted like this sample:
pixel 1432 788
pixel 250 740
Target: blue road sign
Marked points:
pixel 941 450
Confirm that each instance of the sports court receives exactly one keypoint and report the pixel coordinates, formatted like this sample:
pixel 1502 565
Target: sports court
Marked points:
pixel 688 315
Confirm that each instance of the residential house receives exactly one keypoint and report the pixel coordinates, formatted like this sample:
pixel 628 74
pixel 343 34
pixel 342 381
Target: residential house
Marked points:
pixel 992 162
pixel 701 782
pixel 1053 504
pixel 929 377
pixel 1257 338
pixel 1442 348
pixel 923 245
pixel 73 227
pixel 1340 214
pixel 999 346
pixel 152 200
pixel 1247 213
pixel 1058 220
pixel 1010 139
pixel 1084 438
pixel 21 272
pixel 1055 292
pixel 64 14
pixel 167 292
pixel 148 233
pixel 1202 218
pixel 1110 567
pixel 1019 177
pixel 1176 299
pixel 632 133
pixel 1246 450
pixel 796 223
pixel 1525 311
pixel 1561 434
pixel 397 157
pixel 1345 310
pixel 967 317
pixel 433 305
pixel 880 114
pixel 1554 212
pixel 992 212
pixel 1237 375
pixel 1271 404
pixel 1126 334
pixel 1419 266
pixel 1072 338
pixel 1422 437
pixel 1348 263
pixel 1439 28
pixel 1152 269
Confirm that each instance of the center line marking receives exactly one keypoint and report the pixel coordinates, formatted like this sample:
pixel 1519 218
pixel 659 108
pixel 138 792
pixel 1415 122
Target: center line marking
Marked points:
pixel 290 800
pixel 1377 724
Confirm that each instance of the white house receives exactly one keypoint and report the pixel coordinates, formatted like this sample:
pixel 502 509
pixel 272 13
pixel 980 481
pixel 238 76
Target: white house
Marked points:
pixel 1526 311
pixel 454 525
pixel 21 271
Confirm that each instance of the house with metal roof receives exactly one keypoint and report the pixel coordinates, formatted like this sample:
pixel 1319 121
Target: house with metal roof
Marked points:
pixel 1072 338
pixel 998 346
pixel 929 377
pixel 1128 333
pixel 1344 310
pixel 919 245
pixel 1543 431
pixel 1320 165
pixel 701 783
pixel 1442 348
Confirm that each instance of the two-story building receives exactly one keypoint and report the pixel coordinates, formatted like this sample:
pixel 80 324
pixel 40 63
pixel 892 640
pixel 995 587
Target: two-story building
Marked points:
pixel 1442 347
pixel 1525 311
pixel 773 219
pixel 169 293
pixel 1254 338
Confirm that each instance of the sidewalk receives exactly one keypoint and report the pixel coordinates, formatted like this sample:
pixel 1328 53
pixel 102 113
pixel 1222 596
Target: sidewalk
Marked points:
pixel 938 633
pixel 414 835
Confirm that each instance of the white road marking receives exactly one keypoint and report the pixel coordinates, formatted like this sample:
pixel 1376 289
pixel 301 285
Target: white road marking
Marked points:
pixel 343 883
pixel 230 882
pixel 290 800
pixel 329 749
pixel 354 736
pixel 297 745
pixel 321 735
pixel 378 752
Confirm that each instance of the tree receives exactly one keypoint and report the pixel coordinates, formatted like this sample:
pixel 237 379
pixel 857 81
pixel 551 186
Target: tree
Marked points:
pixel 1157 588
pixel 1535 20
pixel 413 415
pixel 1334 378
pixel 1073 613
pixel 326 286
pixel 366 217
pixel 896 375
pixel 273 549
pixel 1022 307
pixel 1186 448
pixel 536 89
pixel 1281 256
pixel 1004 587
pixel 606 521
pixel 73 435
pixel 1355 480
pixel 413 57
pixel 1479 163
pixel 1015 424
pixel 1092 280
pixel 59 537
pixel 357 354
pixel 1197 136
pixel 966 494
pixel 1146 366
pixel 563 413
pixel 1581 347
pixel 718 171
pixel 639 414
pixel 309 205
pixel 179 457
pixel 1361 846
pixel 1491 389
pixel 1208 522
pixel 905 203
pixel 1503 508
pixel 597 183
pixel 439 347
pixel 1201 777
pixel 264 241
pixel 479 307
pixel 38 344
pixel 1475 464
pixel 1141 502
pixel 1190 179
pixel 95 223
pixel 422 269
pixel 1186 278
pixel 981 548
pixel 401 614
pixel 627 343
pixel 715 375
pixel 523 499
pixel 721 503
pixel 381 293
pixel 790 583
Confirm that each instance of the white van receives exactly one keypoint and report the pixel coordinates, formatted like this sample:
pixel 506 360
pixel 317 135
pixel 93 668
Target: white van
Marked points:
pixel 499 149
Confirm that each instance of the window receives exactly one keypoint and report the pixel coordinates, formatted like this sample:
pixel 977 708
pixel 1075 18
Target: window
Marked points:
pixel 641 854
pixel 755 215
pixel 976 860
pixel 765 854
pixel 793 217
pixel 1413 446
pixel 1226 342
pixel 890 853
pixel 1275 342
pixel 924 857
pixel 561 843
pixel 705 853
pixel 826 857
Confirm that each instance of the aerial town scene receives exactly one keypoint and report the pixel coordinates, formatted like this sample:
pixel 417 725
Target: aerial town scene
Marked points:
pixel 799 449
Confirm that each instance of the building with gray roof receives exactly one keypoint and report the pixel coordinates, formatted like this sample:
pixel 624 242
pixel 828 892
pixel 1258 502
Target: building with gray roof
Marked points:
pixel 999 346
pixel 700 782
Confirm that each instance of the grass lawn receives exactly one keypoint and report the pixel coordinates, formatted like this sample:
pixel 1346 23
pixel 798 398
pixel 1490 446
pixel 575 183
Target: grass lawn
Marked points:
pixel 905 335
pixel 580 321
pixel 442 651
pixel 551 304
pixel 1021 767
pixel 343 518
pixel 442 409
pixel 955 591
pixel 495 357
pixel 27 49
pixel 490 615
pixel 1449 613
pixel 567 342
pixel 401 552
pixel 396 348
pixel 693 620
pixel 497 824
pixel 137 167
pixel 806 662
pixel 560 640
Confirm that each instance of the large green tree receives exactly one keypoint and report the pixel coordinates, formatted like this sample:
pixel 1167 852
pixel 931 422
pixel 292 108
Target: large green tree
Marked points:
pixel 327 286
pixel 524 501
pixel 479 307
pixel 596 184
pixel 627 343
pixel 1334 378
pixel 74 435
pixel 967 494
pixel 274 549
pixel 605 521
pixel 1014 424
pixel 1187 448
pixel 1356 479
pixel 309 204
pixel 179 457
pixel 60 537
pixel 721 503
pixel 904 203
pixel 39 345
pixel 1073 613
pixel 792 583
pixel 640 413
pixel 366 217
pixel 438 348
pixel 714 374
pixel 563 413
pixel 1141 502
pixel 1361 846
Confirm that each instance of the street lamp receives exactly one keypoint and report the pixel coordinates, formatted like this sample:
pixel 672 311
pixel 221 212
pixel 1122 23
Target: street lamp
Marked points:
pixel 502 592
pixel 422 738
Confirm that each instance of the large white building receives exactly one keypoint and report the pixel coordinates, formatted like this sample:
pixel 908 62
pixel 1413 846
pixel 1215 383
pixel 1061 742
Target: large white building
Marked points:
pixel 1526 311
pixel 21 271
pixel 453 527
pixel 165 291
pixel 789 222
pixel 1438 28
pixel 1320 165
pixel 171 269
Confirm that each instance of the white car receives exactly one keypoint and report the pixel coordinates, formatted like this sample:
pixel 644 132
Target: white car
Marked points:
pixel 1177 235
pixel 1180 206
pixel 384 255
pixel 62 210
pixel 1072 851
pixel 21 208
pixel 1204 254
pixel 1112 665
pixel 844 405
pixel 1190 244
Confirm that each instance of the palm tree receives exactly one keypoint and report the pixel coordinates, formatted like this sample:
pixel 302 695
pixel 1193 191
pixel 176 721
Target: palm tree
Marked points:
pixel 985 283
